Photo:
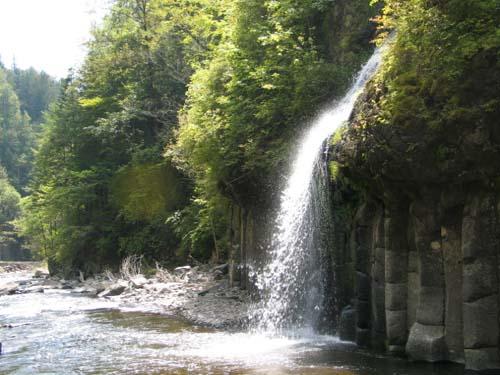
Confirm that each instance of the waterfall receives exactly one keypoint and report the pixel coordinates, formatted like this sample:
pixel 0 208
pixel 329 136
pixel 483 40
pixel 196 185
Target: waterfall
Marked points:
pixel 292 284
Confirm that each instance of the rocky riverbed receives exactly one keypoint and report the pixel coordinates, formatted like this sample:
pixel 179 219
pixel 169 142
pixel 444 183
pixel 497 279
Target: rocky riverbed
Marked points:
pixel 199 294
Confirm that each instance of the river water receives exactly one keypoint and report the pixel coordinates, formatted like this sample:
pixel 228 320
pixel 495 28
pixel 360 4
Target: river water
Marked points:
pixel 57 332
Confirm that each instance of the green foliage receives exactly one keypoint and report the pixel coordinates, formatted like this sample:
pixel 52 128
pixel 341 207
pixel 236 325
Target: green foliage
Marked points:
pixel 147 191
pixel 16 136
pixel 267 77
pixel 444 63
pixel 9 199
pixel 35 90
pixel 102 189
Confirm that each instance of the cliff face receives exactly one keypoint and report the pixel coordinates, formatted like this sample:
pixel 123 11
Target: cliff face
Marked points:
pixel 417 263
pixel 416 181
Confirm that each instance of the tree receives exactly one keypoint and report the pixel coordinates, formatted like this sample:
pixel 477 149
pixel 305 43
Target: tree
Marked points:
pixel 35 90
pixel 9 199
pixel 16 136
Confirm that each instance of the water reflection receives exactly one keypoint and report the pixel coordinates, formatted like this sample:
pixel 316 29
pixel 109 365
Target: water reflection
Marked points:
pixel 58 333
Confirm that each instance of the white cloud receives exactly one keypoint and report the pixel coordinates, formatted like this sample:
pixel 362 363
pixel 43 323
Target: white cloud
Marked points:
pixel 47 34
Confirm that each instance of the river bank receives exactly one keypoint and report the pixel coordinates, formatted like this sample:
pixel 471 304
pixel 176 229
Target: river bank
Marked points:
pixel 200 294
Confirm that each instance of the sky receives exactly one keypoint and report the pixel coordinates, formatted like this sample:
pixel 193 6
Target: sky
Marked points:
pixel 48 35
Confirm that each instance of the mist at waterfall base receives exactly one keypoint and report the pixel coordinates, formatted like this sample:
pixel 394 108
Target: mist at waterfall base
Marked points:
pixel 293 283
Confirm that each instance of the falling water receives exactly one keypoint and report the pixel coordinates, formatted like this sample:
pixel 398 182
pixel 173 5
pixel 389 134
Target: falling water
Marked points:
pixel 293 282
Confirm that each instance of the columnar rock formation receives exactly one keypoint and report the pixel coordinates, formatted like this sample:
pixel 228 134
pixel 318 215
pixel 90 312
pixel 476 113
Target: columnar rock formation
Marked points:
pixel 423 274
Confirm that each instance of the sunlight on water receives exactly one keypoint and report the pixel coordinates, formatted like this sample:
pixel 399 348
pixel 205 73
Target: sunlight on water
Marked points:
pixel 59 333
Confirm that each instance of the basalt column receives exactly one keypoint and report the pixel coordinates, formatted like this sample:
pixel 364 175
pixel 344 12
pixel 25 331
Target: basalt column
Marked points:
pixel 427 338
pixel 480 282
pixel 396 274
pixel 452 208
pixel 378 281
pixel 363 240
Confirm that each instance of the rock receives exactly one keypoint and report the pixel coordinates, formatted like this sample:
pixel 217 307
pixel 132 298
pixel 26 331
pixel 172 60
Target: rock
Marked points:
pixel 224 268
pixel 480 279
pixel 396 327
pixel 9 289
pixel 481 323
pixel 218 275
pixel 34 289
pixel 426 343
pixel 430 310
pixel 50 284
pixel 363 286
pixel 363 314
pixel 138 281
pixel 39 274
pixel 363 337
pixel 395 296
pixel 182 270
pixel 113 290
pixel 86 290
pixel 485 359
pixel 347 326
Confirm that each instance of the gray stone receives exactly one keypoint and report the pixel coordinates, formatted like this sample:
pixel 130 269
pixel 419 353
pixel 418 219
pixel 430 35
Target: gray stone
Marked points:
pixel 431 267
pixel 483 359
pixel 113 290
pixel 480 279
pixel 413 297
pixel 378 267
pixel 363 286
pixel 33 289
pixel 224 268
pixel 426 343
pixel 481 323
pixel 396 265
pixel 347 326
pixel 395 296
pixel 452 253
pixel 430 309
pixel 363 337
pixel 8 289
pixel 39 274
pixel 412 261
pixel 378 308
pixel 397 332
pixel 363 316
pixel 182 270
pixel 138 281
pixel 478 227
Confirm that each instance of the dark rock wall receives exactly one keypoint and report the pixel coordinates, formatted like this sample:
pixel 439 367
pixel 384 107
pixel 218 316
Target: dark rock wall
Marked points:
pixel 425 275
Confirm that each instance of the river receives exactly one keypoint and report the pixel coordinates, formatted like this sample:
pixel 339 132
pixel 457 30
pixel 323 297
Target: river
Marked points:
pixel 58 332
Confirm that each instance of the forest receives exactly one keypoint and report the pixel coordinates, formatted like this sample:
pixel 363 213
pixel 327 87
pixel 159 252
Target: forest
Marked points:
pixel 184 109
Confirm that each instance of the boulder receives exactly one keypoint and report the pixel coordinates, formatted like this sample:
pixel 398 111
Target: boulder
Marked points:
pixel 39 274
pixel 426 343
pixel 33 289
pixel 182 270
pixel 9 289
pixel 113 290
pixel 224 268
pixel 138 281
